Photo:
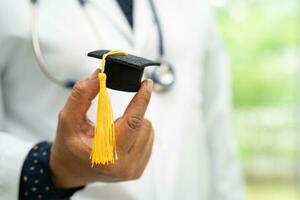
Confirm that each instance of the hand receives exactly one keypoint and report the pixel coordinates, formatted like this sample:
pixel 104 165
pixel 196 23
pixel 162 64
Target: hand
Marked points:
pixel 70 152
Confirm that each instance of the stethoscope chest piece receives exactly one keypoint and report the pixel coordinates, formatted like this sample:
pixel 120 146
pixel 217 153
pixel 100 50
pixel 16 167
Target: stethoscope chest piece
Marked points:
pixel 163 76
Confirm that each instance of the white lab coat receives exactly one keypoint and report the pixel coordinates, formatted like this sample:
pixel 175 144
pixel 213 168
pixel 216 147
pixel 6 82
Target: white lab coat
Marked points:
pixel 194 156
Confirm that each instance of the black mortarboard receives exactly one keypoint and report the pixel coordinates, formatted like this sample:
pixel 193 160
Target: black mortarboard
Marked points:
pixel 124 73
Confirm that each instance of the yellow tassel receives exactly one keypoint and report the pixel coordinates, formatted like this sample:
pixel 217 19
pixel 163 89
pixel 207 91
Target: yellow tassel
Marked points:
pixel 104 149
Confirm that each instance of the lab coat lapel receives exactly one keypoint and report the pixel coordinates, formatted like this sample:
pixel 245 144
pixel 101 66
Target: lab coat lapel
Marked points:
pixel 145 30
pixel 112 12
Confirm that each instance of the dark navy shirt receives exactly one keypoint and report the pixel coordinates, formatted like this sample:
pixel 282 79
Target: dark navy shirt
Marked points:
pixel 36 182
pixel 127 8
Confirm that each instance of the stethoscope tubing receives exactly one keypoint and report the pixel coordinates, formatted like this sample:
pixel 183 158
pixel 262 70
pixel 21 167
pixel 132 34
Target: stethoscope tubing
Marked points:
pixel 37 48
pixel 70 83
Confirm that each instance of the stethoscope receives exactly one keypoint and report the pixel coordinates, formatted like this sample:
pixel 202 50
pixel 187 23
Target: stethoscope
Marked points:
pixel 163 76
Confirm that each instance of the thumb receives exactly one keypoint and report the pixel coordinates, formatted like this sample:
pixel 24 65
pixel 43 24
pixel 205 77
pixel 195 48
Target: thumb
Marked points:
pixel 138 105
pixel 82 95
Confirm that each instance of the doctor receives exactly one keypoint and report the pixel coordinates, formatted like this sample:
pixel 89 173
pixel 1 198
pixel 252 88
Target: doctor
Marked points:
pixel 45 136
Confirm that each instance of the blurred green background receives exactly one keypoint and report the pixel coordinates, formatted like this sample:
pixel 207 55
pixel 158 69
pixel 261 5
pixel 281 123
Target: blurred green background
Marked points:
pixel 262 39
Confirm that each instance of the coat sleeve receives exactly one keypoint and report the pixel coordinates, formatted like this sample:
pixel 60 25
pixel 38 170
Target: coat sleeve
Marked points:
pixel 12 149
pixel 227 182
pixel 13 152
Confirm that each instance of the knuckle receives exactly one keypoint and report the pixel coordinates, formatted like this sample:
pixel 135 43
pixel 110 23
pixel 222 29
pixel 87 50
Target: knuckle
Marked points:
pixel 138 175
pixel 127 174
pixel 134 122
pixel 78 89
pixel 79 85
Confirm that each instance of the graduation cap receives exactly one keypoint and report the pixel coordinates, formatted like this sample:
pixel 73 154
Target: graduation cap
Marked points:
pixel 124 73
pixel 120 71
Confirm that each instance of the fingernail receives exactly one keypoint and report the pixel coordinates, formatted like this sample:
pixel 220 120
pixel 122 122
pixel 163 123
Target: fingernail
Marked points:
pixel 149 85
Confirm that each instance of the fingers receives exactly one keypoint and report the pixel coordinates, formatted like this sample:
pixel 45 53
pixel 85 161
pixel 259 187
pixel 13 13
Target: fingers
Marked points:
pixel 127 129
pixel 146 156
pixel 124 138
pixel 144 136
pixel 138 105
pixel 141 152
pixel 82 95
pixel 128 140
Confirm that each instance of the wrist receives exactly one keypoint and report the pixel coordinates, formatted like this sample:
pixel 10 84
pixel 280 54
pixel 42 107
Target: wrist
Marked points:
pixel 63 170
pixel 59 174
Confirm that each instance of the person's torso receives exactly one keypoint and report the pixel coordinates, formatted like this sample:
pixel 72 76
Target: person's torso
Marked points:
pixel 178 168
